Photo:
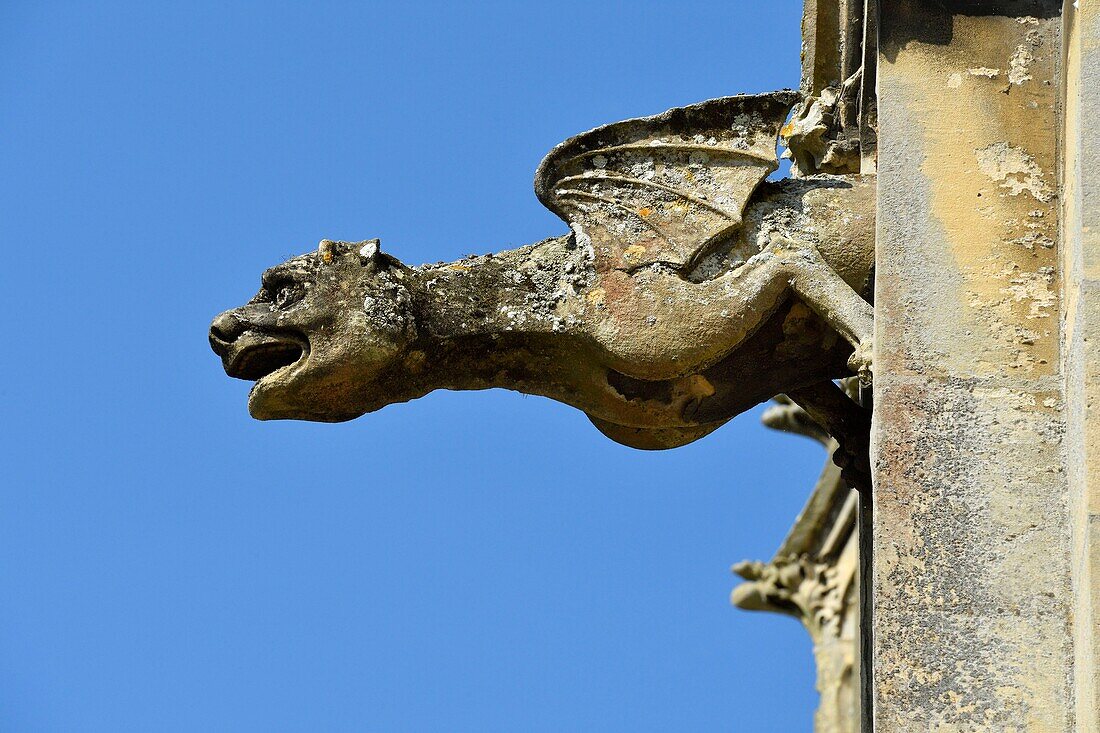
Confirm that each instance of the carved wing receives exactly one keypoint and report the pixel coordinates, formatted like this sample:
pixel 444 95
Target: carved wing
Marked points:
pixel 664 188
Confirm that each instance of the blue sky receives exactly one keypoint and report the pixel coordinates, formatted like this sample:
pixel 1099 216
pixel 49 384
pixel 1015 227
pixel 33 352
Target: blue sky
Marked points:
pixel 467 562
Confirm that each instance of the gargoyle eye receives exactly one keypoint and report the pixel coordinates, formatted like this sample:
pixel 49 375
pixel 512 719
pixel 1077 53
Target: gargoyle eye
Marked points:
pixel 286 294
pixel 281 291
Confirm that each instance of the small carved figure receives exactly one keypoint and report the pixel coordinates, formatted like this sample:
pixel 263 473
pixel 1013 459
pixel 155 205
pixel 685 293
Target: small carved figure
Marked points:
pixel 688 290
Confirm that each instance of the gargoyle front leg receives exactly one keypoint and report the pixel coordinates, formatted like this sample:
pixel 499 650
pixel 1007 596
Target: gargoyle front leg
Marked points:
pixel 828 295
pixel 847 422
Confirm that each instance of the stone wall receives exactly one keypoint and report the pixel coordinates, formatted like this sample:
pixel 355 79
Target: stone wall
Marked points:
pixel 1080 264
pixel 973 591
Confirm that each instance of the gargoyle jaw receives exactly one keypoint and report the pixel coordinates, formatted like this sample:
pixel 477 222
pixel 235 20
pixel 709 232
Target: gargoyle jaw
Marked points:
pixel 253 356
pixel 256 361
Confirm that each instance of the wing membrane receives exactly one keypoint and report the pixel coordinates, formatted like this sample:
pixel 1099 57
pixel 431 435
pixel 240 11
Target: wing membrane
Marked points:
pixel 664 188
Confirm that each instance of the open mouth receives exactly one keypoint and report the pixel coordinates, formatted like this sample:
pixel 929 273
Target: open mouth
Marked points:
pixel 264 355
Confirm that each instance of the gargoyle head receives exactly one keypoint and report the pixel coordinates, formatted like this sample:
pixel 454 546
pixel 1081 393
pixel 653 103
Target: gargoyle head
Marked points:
pixel 321 327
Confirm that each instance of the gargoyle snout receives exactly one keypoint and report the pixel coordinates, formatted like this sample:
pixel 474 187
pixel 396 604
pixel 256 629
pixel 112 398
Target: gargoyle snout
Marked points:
pixel 225 329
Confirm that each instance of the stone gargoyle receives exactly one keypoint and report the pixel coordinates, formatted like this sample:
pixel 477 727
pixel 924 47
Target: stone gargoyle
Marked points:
pixel 688 290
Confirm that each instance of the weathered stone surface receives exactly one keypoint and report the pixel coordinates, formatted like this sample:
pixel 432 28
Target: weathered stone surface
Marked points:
pixel 971 585
pixel 687 291
pixel 1081 356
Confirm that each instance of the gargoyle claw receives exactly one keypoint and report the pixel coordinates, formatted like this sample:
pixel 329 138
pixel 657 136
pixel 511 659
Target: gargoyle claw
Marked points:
pixel 860 362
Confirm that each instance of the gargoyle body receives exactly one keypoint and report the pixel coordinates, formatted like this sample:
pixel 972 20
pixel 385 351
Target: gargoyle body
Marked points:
pixel 688 290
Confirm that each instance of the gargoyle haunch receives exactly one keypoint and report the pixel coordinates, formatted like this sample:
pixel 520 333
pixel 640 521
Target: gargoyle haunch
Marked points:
pixel 688 290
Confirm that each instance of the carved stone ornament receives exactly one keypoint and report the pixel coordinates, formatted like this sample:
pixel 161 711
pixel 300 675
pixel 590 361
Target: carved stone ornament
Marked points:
pixel 795 585
pixel 687 290
pixel 815 135
pixel 814 575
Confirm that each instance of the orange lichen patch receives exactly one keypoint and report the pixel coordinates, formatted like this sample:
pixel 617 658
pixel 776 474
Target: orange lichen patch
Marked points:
pixel 326 256
pixel 634 252
pixel 645 211
pixel 596 297
pixel 456 266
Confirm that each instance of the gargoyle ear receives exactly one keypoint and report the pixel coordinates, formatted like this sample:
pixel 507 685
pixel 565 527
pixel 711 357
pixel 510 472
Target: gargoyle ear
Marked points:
pixel 370 251
pixel 329 250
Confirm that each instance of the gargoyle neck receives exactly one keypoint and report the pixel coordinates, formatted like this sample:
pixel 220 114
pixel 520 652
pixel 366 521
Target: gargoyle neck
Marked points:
pixel 520 291
pixel 499 320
